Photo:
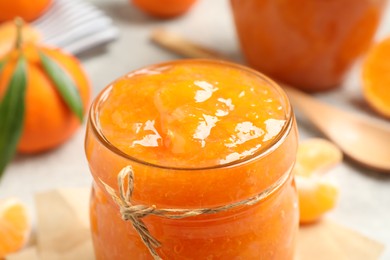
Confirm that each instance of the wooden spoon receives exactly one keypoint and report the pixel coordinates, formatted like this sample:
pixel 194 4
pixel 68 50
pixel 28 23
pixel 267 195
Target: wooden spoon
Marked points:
pixel 362 139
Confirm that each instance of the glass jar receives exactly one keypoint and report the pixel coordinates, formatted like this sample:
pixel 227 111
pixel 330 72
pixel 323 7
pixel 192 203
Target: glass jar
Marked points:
pixel 310 44
pixel 265 230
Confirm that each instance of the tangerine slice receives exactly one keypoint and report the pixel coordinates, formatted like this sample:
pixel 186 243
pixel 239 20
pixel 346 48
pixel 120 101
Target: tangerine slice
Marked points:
pixel 376 77
pixel 14 226
pixel 317 194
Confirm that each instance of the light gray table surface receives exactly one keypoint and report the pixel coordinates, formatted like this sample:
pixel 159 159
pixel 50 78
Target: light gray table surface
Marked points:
pixel 364 203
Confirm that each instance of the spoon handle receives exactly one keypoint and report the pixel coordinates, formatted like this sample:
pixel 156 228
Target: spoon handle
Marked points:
pixel 179 45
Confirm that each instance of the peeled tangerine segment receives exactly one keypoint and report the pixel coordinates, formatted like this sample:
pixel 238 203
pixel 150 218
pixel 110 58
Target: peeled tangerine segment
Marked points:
pixel 316 196
pixel 14 226
pixel 178 129
pixel 316 155
pixel 317 193
pixel 168 98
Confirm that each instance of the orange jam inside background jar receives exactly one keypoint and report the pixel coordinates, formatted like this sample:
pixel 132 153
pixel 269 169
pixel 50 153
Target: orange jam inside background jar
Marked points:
pixel 310 44
pixel 198 134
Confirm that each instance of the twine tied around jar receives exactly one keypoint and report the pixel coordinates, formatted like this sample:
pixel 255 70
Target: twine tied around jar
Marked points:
pixel 135 213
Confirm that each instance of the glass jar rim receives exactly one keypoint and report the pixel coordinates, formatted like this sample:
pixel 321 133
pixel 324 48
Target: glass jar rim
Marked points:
pixel 93 119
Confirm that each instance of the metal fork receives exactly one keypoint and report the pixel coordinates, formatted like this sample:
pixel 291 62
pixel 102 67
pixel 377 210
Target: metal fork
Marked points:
pixel 75 26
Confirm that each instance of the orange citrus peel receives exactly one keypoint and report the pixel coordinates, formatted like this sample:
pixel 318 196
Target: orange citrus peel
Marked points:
pixel 14 226
pixel 317 193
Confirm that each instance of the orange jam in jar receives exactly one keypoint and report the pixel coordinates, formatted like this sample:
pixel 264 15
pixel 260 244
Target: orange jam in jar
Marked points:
pixel 310 44
pixel 197 134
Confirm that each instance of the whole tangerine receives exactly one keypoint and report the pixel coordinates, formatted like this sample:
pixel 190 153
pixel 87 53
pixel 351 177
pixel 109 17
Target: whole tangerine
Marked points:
pixel 164 8
pixel 28 10
pixel 48 120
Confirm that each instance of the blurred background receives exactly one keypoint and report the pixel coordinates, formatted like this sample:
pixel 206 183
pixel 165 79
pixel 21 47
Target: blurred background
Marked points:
pixel 122 44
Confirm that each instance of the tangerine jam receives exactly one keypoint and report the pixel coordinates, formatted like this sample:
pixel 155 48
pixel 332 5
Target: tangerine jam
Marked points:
pixel 198 134
pixel 310 44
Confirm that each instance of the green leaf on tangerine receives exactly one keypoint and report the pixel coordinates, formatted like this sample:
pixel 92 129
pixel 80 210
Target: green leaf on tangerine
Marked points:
pixel 2 63
pixel 64 84
pixel 12 107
